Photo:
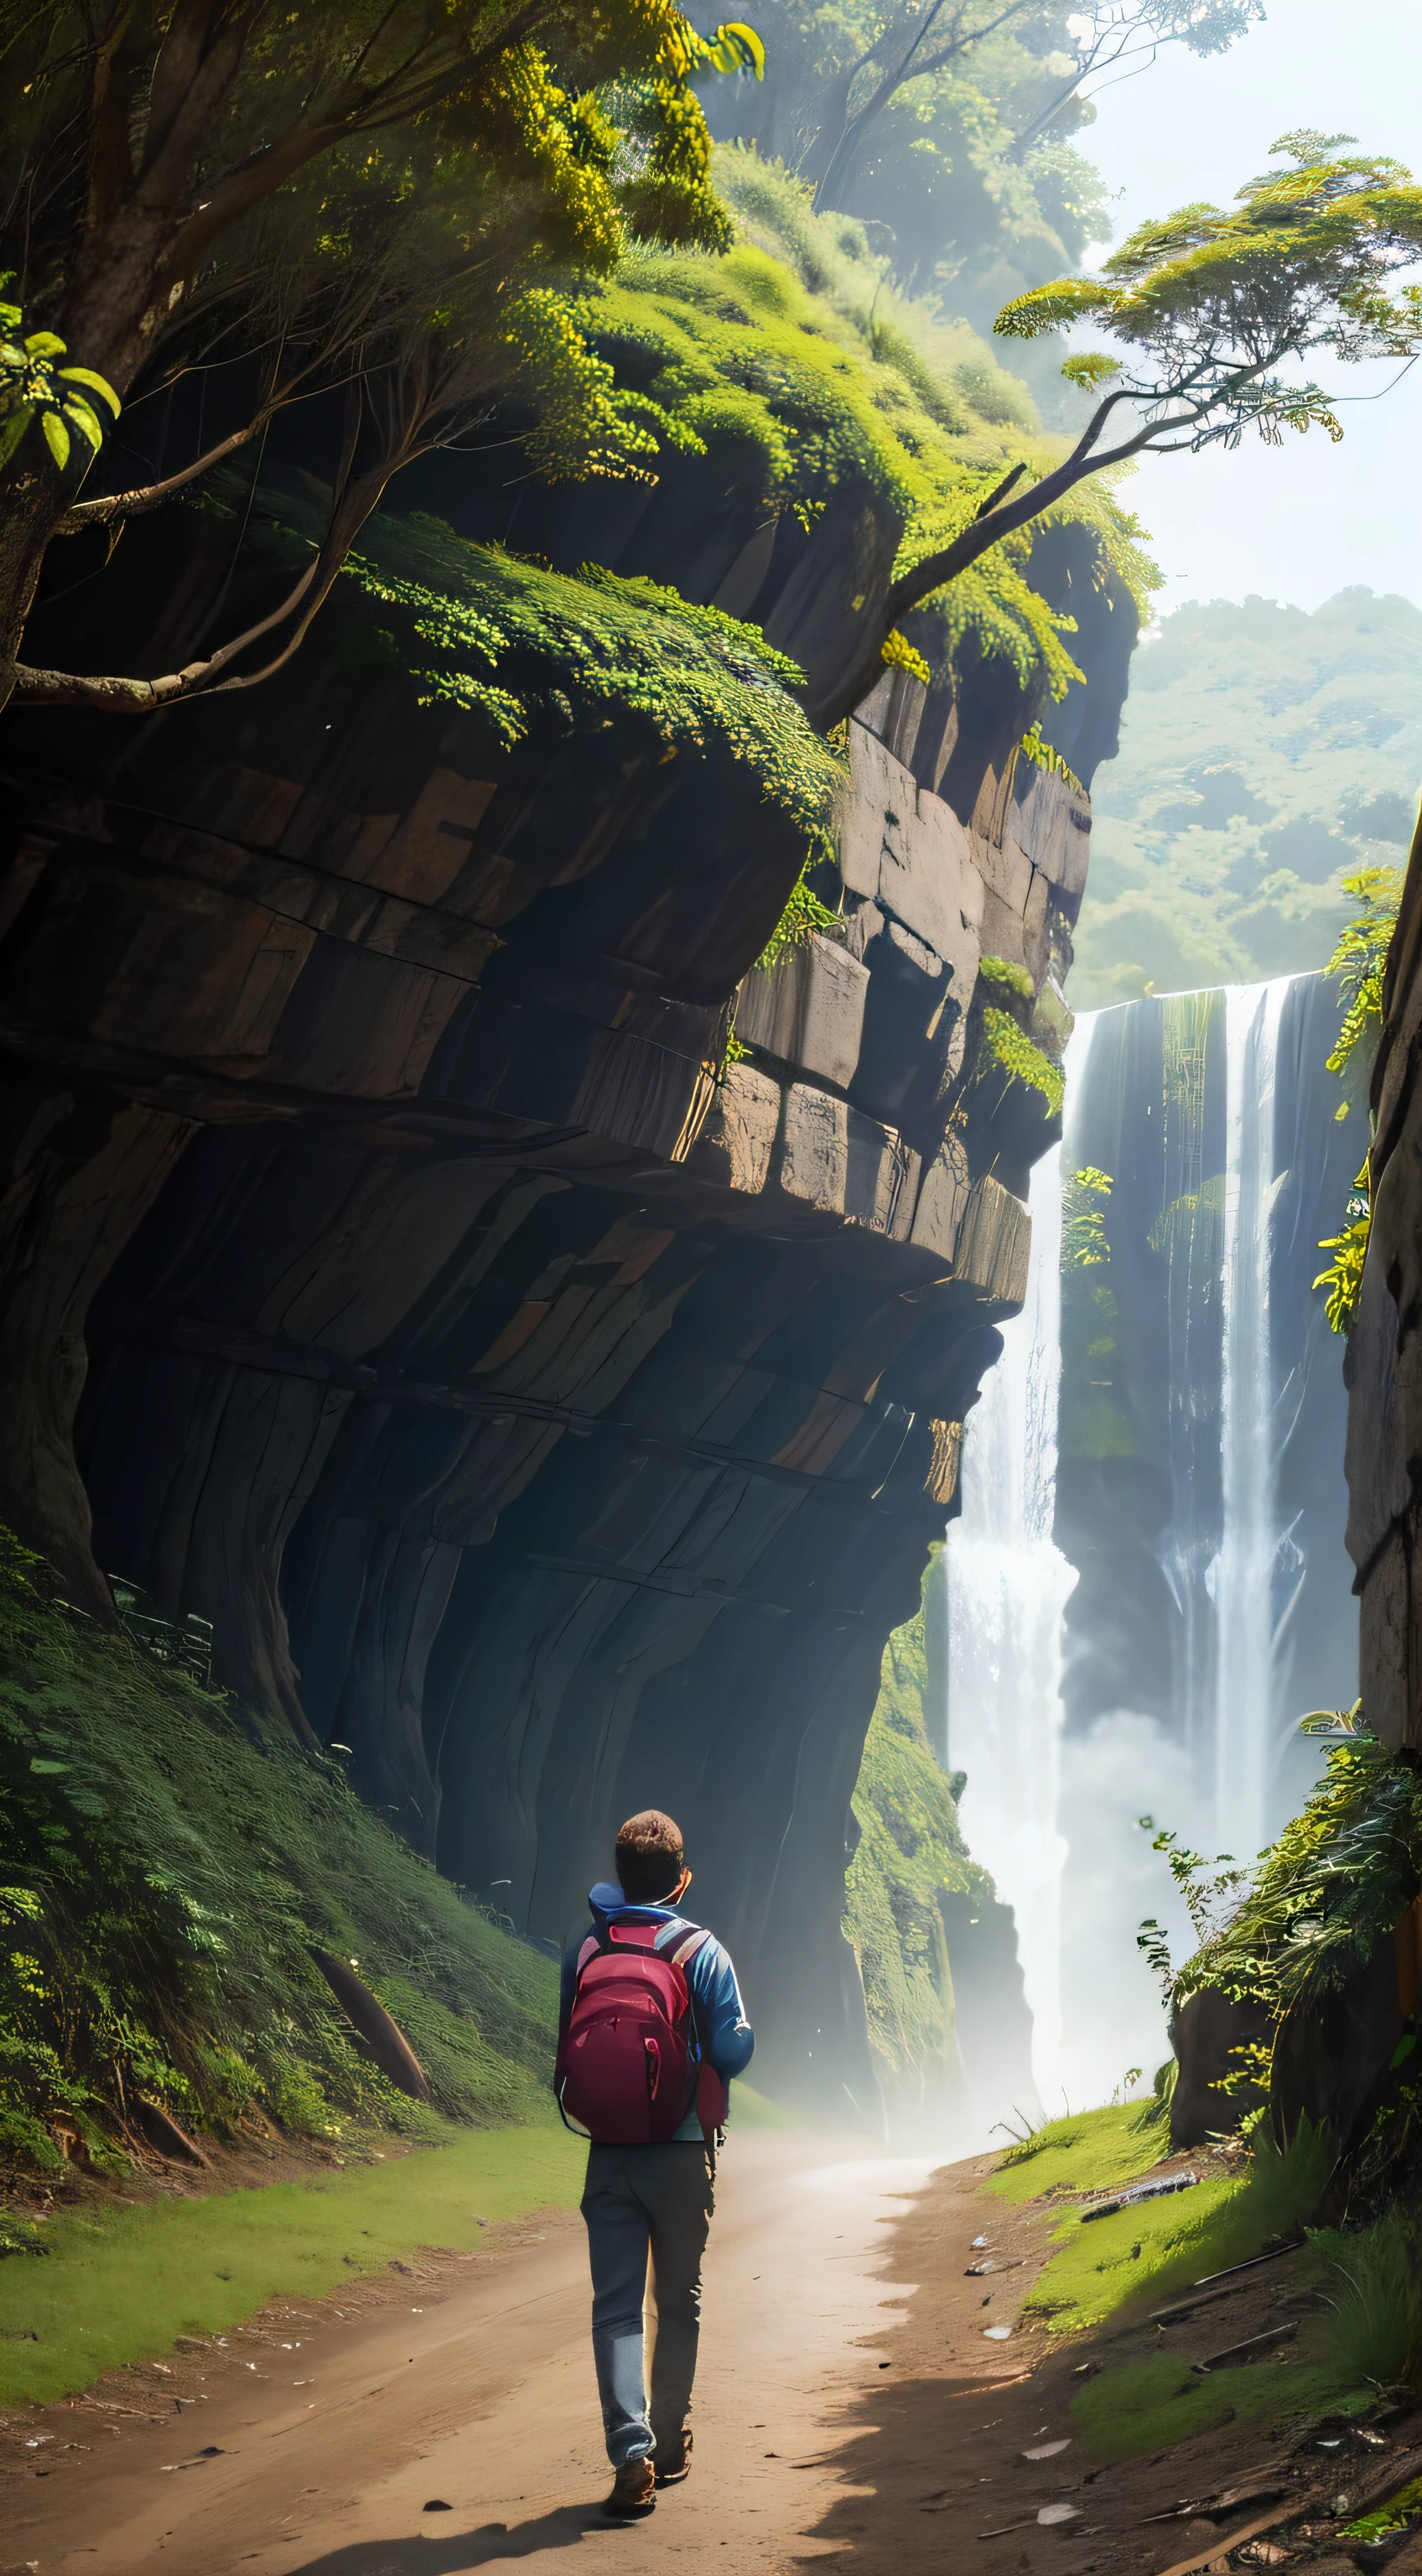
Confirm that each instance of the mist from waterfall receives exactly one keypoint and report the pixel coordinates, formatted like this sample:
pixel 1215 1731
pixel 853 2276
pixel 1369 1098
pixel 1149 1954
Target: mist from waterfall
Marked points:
pixel 1147 1584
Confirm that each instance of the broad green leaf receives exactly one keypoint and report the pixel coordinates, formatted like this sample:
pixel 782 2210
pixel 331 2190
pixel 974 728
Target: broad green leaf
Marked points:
pixel 44 344
pixel 12 430
pixel 736 48
pixel 56 437
pixel 45 1769
pixel 85 419
pixel 95 383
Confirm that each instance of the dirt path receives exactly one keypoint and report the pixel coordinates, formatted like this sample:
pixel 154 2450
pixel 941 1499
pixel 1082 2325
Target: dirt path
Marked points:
pixel 480 2392
pixel 852 2403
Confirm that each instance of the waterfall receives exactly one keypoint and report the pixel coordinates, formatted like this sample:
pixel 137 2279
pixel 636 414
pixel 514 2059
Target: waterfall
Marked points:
pixel 1007 1587
pixel 1244 1570
pixel 1173 1417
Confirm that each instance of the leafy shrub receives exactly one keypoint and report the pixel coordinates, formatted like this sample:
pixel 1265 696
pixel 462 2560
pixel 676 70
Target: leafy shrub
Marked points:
pixel 1007 1045
pixel 1332 1886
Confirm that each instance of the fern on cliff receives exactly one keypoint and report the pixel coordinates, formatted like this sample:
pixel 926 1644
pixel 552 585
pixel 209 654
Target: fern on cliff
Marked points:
pixel 1007 1045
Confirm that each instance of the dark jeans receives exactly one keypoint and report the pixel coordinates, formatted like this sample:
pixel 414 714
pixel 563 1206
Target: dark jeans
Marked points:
pixel 641 2202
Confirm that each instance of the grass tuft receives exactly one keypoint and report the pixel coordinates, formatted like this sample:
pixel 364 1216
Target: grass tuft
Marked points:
pixel 1147 2405
pixel 1375 2289
pixel 1086 2151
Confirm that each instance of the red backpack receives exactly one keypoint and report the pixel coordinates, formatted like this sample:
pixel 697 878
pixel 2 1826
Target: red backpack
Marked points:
pixel 627 2069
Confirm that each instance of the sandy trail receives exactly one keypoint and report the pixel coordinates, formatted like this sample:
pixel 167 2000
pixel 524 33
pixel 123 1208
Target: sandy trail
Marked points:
pixel 481 2393
pixel 855 2401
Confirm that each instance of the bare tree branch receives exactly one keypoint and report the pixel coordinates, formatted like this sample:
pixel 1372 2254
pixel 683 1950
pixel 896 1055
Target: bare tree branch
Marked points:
pixel 151 496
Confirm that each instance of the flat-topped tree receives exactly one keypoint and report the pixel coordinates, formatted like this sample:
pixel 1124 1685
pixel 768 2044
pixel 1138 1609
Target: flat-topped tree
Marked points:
pixel 383 197
pixel 1207 312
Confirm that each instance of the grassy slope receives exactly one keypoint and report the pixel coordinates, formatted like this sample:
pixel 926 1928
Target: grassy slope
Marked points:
pixel 165 1861
pixel 1146 2253
pixel 1263 752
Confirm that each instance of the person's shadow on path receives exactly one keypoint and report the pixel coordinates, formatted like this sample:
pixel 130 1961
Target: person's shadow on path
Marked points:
pixel 448 2553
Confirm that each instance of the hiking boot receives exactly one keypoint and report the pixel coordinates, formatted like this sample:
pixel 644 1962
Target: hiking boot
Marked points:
pixel 674 2461
pixel 634 2489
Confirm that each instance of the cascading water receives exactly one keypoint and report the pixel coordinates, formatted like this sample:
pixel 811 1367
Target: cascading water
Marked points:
pixel 1007 1585
pixel 1176 1421
pixel 1244 1570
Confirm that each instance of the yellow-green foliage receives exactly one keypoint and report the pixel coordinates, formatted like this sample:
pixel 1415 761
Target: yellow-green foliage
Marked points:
pixel 1304 259
pixel 1148 2405
pixel 1360 962
pixel 121 2281
pixel 1086 2151
pixel 1042 756
pixel 1343 1277
pixel 1084 1241
pixel 1332 1886
pixel 900 655
pixel 773 358
pixel 1012 978
pixel 910 1851
pixel 1007 1046
pixel 165 1860
pixel 803 914
pixel 480 629
pixel 1155 2246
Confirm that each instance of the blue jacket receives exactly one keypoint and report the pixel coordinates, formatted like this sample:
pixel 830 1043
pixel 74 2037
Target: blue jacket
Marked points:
pixel 720 2028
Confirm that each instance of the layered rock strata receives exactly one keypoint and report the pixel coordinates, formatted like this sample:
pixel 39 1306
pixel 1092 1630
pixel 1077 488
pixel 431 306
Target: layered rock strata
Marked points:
pixel 555 1424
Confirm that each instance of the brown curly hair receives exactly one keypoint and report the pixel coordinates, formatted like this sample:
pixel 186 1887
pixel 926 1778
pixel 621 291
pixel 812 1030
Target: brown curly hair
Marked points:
pixel 649 1857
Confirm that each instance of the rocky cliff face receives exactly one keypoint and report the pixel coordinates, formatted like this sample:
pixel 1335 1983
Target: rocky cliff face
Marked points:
pixel 394 1278
pixel 1384 1360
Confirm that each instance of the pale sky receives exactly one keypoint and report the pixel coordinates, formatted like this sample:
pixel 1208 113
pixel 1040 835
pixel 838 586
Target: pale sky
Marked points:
pixel 1304 521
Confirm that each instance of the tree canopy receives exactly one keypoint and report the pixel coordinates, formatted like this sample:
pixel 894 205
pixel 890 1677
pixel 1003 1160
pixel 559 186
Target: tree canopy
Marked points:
pixel 1210 310
pixel 948 125
pixel 383 198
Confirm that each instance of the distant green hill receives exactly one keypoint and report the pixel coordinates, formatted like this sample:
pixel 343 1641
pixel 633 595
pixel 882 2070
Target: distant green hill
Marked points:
pixel 1263 753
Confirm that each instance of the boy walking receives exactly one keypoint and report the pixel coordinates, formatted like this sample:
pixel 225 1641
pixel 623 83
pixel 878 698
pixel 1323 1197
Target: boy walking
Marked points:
pixel 651 2031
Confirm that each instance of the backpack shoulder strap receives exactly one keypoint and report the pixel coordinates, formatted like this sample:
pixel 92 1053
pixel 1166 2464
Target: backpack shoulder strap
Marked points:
pixel 691 1938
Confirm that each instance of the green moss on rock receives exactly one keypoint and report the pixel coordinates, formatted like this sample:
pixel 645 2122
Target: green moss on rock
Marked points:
pixel 910 1853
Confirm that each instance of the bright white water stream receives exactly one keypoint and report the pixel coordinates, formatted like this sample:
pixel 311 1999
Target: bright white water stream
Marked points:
pixel 1055 1817
pixel 1007 1588
pixel 1243 1571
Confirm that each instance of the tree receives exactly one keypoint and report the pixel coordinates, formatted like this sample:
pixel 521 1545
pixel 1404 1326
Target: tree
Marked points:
pixel 834 76
pixel 378 199
pixel 1208 309
pixel 916 41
